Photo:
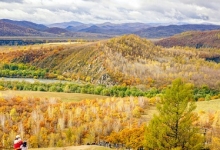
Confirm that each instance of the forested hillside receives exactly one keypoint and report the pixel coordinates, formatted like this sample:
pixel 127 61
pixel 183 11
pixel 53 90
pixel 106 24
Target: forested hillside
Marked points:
pixel 125 60
pixel 210 39
pixel 170 30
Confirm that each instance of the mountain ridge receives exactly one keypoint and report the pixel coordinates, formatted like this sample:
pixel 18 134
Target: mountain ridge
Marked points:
pixel 26 24
pixel 70 29
pixel 8 29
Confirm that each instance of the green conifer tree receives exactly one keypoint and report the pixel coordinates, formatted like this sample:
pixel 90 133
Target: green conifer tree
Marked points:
pixel 173 127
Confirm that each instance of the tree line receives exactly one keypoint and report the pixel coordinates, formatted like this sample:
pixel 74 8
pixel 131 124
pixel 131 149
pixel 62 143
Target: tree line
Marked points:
pixel 20 70
pixel 200 94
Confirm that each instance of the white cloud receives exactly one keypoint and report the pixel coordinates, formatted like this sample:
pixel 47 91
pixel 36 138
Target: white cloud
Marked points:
pixel 12 1
pixel 116 11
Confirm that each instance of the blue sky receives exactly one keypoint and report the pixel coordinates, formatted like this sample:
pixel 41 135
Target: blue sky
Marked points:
pixel 115 11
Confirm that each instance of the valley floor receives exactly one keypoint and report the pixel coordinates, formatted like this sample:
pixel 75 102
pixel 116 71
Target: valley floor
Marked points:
pixel 65 97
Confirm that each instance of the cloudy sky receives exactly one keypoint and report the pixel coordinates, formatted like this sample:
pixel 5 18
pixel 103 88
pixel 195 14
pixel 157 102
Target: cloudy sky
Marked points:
pixel 115 11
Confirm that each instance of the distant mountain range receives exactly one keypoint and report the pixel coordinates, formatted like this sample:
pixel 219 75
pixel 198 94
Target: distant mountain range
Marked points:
pixel 66 24
pixel 105 30
pixel 10 29
pixel 27 24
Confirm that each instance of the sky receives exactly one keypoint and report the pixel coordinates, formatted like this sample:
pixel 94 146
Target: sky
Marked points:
pixel 115 11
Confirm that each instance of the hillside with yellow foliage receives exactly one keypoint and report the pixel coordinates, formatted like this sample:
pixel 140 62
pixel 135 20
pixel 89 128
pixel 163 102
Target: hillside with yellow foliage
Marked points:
pixel 124 60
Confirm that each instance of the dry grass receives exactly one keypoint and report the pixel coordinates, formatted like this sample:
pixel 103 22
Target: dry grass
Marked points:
pixel 212 105
pixel 37 46
pixel 204 106
pixel 66 97
pixel 208 106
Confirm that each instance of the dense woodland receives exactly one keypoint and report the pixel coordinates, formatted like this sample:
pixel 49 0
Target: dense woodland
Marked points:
pixel 49 122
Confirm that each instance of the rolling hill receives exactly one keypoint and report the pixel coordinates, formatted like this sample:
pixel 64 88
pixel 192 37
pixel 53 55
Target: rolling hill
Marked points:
pixel 170 30
pixel 26 24
pixel 115 29
pixel 56 30
pixel 66 24
pixel 77 28
pixel 127 59
pixel 8 29
pixel 193 39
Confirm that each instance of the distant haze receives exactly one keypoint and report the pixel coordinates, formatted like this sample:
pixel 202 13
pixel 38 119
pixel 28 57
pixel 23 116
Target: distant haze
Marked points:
pixel 115 11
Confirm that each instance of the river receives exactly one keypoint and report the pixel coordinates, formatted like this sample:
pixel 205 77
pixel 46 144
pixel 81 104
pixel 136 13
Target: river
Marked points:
pixel 31 80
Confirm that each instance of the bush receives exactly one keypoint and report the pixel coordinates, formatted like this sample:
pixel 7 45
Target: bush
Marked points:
pixel 201 99
pixel 41 88
pixel 1 88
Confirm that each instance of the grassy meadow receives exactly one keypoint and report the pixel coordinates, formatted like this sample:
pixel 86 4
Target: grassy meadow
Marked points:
pixel 37 46
pixel 65 97
pixel 207 106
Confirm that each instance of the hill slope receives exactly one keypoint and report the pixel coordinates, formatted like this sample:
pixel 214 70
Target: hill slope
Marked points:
pixel 26 24
pixel 115 29
pixel 166 31
pixel 72 29
pixel 8 29
pixel 56 30
pixel 128 60
pixel 12 28
pixel 66 24
pixel 193 39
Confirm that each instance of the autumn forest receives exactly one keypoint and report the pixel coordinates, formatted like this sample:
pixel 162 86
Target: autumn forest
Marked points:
pixel 154 94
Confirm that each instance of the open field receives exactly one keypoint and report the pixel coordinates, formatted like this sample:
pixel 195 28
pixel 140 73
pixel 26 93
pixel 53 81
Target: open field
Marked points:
pixel 82 147
pixel 212 105
pixel 208 106
pixel 37 46
pixel 66 97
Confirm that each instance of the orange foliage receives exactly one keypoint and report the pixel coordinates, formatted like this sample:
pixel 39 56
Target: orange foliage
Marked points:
pixel 37 119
